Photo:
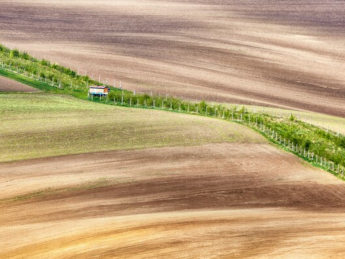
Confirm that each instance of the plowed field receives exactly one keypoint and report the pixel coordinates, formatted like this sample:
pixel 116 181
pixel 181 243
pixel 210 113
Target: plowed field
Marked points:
pixel 8 85
pixel 212 201
pixel 281 53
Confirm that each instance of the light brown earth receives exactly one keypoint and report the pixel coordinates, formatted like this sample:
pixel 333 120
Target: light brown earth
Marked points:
pixel 8 85
pixel 282 53
pixel 212 201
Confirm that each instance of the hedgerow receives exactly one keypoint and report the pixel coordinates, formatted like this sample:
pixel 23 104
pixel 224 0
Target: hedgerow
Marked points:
pixel 54 74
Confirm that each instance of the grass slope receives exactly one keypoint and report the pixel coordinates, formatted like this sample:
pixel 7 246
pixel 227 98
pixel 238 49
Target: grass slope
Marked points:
pixel 42 125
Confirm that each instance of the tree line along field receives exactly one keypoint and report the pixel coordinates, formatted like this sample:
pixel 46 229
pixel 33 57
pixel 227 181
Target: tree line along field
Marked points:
pixel 42 70
pixel 332 123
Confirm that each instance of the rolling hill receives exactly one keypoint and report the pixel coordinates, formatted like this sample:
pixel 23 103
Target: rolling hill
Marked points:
pixel 83 179
pixel 160 183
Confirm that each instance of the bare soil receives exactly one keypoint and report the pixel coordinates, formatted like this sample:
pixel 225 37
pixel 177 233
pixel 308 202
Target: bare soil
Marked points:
pixel 211 201
pixel 8 85
pixel 274 53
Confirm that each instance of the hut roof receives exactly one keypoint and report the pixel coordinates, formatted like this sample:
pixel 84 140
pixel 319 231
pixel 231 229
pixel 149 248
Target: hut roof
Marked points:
pixel 98 87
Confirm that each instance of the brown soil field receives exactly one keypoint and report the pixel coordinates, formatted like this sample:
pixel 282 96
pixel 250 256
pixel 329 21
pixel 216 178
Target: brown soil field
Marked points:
pixel 212 201
pixel 276 53
pixel 8 85
pixel 190 187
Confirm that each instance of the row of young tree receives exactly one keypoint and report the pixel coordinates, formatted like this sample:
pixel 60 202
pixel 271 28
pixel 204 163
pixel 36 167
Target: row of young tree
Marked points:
pixel 306 151
pixel 54 74
pixel 323 143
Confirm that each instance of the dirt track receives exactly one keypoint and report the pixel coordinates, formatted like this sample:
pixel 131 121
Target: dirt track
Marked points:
pixel 8 85
pixel 281 53
pixel 221 200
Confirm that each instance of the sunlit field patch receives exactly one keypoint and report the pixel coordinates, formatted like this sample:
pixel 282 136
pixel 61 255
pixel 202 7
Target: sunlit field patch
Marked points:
pixel 41 125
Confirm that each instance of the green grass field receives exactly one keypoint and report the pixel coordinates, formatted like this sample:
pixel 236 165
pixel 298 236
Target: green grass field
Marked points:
pixel 42 125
